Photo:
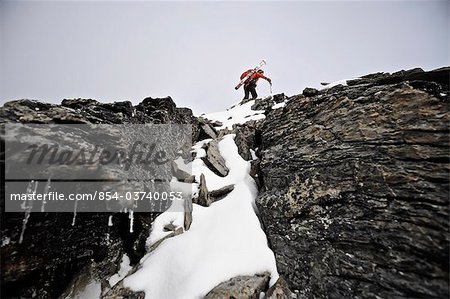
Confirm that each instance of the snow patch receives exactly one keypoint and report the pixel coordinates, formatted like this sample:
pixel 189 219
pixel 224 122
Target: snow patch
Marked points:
pixel 279 105
pixel 336 83
pixel 239 114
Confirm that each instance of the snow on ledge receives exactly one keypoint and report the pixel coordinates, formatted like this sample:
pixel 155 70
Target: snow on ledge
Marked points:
pixel 336 83
pixel 239 114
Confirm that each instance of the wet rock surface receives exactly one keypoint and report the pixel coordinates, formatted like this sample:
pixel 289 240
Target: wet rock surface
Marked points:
pixel 355 198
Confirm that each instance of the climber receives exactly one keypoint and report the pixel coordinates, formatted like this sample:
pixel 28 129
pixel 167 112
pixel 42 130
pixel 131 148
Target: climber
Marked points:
pixel 250 84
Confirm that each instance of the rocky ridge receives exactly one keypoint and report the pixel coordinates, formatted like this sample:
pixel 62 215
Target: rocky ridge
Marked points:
pixel 353 189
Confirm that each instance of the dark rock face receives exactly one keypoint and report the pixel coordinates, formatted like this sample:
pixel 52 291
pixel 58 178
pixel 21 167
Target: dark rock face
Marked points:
pixel 245 140
pixel 356 179
pixel 55 249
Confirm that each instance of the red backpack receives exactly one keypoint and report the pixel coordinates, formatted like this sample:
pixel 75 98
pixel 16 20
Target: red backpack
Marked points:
pixel 245 74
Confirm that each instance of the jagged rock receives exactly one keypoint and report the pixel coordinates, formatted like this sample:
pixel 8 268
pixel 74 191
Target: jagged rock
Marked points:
pixel 187 213
pixel 218 194
pixel 118 107
pixel 160 109
pixel 280 290
pixel 203 198
pixel 263 104
pixel 310 92
pixel 280 97
pixel 214 159
pixel 207 131
pixel 241 287
pixel 356 189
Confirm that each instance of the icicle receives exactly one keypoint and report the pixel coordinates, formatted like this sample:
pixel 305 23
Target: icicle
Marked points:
pixel 28 208
pixel 46 190
pixel 74 213
pixel 110 223
pixel 131 216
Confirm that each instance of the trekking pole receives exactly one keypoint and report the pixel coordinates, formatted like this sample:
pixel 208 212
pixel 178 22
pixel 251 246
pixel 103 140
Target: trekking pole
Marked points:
pixel 270 88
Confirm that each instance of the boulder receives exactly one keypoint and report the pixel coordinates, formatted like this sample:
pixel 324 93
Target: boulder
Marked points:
pixel 241 287
pixel 310 92
pixel 218 194
pixel 214 159
pixel 263 104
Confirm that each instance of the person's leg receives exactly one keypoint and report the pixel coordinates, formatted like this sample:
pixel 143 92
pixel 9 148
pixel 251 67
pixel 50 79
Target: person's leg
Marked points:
pixel 247 92
pixel 253 91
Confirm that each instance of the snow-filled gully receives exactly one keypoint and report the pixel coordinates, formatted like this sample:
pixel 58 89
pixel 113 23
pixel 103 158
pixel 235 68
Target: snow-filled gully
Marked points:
pixel 225 239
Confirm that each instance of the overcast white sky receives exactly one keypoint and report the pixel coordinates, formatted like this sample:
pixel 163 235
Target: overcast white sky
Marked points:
pixel 196 51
